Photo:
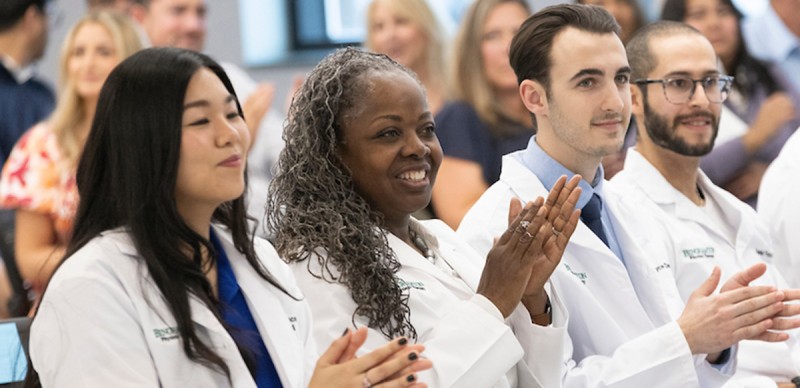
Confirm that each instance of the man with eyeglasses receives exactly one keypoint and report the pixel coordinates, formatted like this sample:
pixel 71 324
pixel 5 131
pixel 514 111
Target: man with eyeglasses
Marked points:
pixel 24 101
pixel 677 94
pixel 627 325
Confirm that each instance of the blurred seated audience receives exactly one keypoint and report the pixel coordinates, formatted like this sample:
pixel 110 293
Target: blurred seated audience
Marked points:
pixel 740 158
pixel 408 32
pixel 486 118
pixel 24 101
pixel 38 179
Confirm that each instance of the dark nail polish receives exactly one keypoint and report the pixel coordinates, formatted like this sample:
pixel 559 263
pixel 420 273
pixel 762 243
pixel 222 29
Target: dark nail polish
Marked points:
pixel 346 329
pixel 412 356
pixel 410 378
pixel 402 341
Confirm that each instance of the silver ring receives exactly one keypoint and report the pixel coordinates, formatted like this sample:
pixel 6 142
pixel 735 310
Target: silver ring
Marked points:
pixel 555 232
pixel 522 227
pixel 526 238
pixel 366 383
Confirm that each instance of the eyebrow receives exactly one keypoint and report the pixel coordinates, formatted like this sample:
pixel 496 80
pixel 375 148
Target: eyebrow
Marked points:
pixel 397 118
pixel 687 74
pixel 204 103
pixel 593 71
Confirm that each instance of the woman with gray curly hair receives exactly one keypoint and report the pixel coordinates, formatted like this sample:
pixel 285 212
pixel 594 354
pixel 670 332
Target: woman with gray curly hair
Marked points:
pixel 361 155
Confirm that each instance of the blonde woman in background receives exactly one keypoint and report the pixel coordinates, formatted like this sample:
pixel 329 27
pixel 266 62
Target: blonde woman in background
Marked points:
pixel 39 178
pixel 408 32
pixel 488 119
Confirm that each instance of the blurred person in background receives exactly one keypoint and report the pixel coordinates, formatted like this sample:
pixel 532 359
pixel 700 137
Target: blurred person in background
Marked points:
pixel 757 98
pixel 408 32
pixel 487 118
pixel 38 179
pixel 24 101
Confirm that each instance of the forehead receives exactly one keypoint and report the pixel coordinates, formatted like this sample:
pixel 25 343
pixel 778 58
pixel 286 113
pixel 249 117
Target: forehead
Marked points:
pixel 682 53
pixel 391 90
pixel 574 50
pixel 93 31
pixel 204 84
pixel 166 4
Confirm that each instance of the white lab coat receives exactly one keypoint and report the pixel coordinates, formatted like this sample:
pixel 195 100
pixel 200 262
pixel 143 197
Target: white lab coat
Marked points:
pixel 622 327
pixel 695 245
pixel 779 208
pixel 464 334
pixel 103 323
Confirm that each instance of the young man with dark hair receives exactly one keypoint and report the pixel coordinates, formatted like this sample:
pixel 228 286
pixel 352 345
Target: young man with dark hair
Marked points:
pixel 626 324
pixel 677 100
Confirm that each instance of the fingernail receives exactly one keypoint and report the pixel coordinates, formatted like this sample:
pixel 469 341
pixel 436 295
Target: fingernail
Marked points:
pixel 410 378
pixel 412 356
pixel 402 341
pixel 346 329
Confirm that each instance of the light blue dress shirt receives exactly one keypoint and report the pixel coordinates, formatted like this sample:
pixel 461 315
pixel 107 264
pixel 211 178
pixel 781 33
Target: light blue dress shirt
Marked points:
pixel 548 170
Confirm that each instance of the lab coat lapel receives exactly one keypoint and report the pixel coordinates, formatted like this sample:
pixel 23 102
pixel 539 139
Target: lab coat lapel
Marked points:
pixel 410 258
pixel 460 256
pixel 283 344
pixel 527 187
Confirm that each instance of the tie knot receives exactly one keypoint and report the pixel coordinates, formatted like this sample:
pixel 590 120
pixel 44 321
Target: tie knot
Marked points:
pixel 591 211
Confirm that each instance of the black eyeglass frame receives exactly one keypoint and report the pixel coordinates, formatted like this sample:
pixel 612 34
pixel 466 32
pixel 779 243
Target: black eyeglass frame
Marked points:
pixel 723 78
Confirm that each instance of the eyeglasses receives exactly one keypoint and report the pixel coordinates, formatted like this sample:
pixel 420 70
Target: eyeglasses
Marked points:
pixel 679 90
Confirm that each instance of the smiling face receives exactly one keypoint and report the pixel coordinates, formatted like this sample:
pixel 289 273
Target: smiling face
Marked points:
pixel 214 146
pixel 588 103
pixel 499 28
pixel 389 146
pixel 689 128
pixel 396 35
pixel 91 58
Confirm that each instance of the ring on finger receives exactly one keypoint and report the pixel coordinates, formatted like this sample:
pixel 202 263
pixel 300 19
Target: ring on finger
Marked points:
pixel 555 232
pixel 523 226
pixel 526 237
pixel 366 383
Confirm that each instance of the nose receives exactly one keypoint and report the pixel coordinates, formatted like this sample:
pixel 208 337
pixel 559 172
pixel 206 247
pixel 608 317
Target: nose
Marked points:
pixel 415 147
pixel 194 22
pixel 227 134
pixel 698 97
pixel 614 100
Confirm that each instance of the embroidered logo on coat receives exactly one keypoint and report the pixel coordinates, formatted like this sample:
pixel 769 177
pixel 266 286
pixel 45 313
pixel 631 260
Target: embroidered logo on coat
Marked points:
pixel 764 253
pixel 662 267
pixel 404 285
pixel 698 253
pixel 580 275
pixel 166 334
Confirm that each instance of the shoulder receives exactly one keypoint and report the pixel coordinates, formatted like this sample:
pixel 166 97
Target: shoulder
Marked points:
pixel 106 263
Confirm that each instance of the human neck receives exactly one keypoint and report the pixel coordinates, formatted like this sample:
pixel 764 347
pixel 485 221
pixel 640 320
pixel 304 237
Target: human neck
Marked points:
pixel 197 217
pixel 399 227
pixel 565 154
pixel 680 171
pixel 15 48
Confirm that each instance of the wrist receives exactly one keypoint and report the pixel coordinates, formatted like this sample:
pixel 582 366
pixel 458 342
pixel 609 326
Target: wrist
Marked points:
pixel 539 308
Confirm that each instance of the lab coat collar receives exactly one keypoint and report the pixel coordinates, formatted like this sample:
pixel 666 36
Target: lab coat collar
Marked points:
pixel 282 343
pixel 411 258
pixel 527 186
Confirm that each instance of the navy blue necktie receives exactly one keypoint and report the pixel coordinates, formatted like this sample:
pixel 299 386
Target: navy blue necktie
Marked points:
pixel 590 215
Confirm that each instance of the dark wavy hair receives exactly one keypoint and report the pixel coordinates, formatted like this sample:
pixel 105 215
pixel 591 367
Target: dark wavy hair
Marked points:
pixel 313 203
pixel 127 175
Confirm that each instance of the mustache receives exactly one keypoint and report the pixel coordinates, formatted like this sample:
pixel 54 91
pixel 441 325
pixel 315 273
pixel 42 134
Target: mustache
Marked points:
pixel 696 115
pixel 610 116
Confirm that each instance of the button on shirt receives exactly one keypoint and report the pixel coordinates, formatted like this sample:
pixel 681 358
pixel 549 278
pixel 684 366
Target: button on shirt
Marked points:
pixel 548 170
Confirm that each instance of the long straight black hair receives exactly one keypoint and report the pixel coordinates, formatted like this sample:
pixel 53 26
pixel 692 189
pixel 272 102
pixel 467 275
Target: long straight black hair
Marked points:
pixel 126 179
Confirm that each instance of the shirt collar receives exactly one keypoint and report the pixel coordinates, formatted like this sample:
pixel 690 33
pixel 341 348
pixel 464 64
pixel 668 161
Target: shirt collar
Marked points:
pixel 20 74
pixel 548 170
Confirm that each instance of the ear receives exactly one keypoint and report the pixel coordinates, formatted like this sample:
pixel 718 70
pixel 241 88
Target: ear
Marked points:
pixel 534 97
pixel 32 14
pixel 637 101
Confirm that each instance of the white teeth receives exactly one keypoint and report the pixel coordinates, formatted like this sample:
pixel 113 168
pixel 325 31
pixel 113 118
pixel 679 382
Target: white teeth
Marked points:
pixel 698 122
pixel 413 175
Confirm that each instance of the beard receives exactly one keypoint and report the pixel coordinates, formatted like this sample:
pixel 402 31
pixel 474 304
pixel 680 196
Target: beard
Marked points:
pixel 665 137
